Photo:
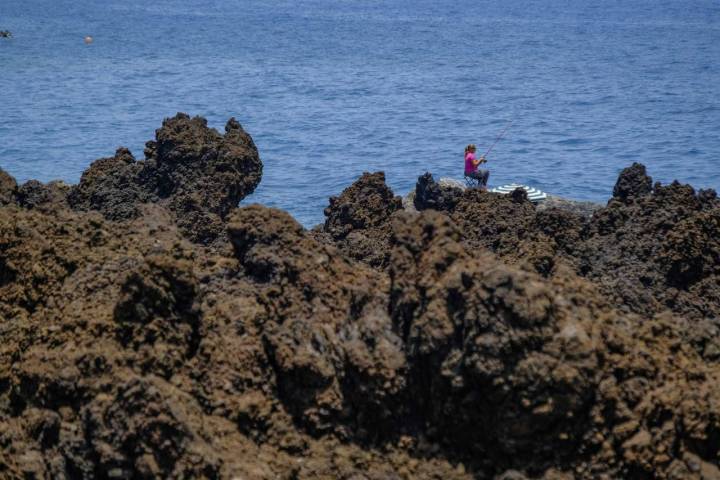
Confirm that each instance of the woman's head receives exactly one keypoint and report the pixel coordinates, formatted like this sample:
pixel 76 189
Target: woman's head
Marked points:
pixel 470 148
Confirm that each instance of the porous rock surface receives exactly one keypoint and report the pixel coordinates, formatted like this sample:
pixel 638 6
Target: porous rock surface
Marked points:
pixel 490 341
pixel 193 170
pixel 430 194
pixel 357 220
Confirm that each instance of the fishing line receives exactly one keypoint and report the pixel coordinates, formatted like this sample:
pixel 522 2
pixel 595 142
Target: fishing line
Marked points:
pixel 502 134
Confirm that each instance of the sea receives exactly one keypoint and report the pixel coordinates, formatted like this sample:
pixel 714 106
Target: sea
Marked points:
pixel 330 89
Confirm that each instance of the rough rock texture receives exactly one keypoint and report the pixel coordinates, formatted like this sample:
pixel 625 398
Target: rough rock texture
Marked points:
pixel 129 352
pixel 578 207
pixel 358 219
pixel 50 196
pixel 650 248
pixel 660 251
pixel 430 194
pixel 490 345
pixel 492 340
pixel 8 188
pixel 632 183
pixel 367 203
pixel 191 169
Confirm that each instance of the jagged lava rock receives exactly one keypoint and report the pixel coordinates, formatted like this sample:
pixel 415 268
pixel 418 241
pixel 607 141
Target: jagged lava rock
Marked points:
pixel 50 196
pixel 320 300
pixel 489 340
pixel 488 345
pixel 8 188
pixel 658 251
pixel 357 220
pixel 193 170
pixel 632 182
pixel 367 203
pixel 430 194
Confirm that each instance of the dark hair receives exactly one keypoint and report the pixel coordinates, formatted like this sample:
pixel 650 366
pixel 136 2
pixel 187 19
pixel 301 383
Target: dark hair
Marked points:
pixel 470 148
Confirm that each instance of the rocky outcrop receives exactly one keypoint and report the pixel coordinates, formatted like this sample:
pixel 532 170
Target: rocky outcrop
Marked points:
pixel 430 194
pixel 358 219
pixel 484 345
pixel 193 170
pixel 50 196
pixel 582 208
pixel 367 203
pixel 110 186
pixel 8 188
pixel 632 183
pixel 658 251
pixel 491 340
pixel 335 308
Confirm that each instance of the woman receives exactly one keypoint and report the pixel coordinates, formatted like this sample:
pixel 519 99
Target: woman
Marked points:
pixel 471 166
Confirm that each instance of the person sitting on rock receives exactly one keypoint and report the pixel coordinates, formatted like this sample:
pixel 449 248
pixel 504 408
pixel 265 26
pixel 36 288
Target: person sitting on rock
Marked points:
pixel 471 166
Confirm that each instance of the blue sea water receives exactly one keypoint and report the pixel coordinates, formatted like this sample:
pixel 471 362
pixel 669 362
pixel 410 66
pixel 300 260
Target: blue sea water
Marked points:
pixel 329 89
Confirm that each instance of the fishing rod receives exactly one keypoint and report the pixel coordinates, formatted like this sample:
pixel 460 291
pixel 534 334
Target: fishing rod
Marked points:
pixel 502 134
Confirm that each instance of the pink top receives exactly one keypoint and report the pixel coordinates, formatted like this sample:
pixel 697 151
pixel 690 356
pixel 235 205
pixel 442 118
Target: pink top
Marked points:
pixel 469 159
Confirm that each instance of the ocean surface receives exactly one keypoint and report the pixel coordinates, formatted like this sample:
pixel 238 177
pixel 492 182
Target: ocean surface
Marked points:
pixel 329 89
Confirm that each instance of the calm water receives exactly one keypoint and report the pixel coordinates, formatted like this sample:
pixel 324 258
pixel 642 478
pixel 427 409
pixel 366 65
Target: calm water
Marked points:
pixel 330 89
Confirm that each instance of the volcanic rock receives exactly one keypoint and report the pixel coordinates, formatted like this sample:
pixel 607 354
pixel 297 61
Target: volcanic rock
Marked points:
pixel 578 207
pixel 193 170
pixel 484 345
pixel 155 330
pixel 633 182
pixel 432 195
pixel 50 196
pixel 8 188
pixel 367 203
pixel 658 252
pixel 358 219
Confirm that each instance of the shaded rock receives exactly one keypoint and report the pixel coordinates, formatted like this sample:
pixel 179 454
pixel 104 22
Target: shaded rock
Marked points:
pixel 50 196
pixel 193 170
pixel 581 208
pixel 148 428
pixel 492 220
pixel 367 203
pixel 432 195
pixel 8 188
pixel 519 195
pixel 110 186
pixel 647 253
pixel 331 338
pixel 633 182
pixel 490 340
pixel 483 342
pixel 357 221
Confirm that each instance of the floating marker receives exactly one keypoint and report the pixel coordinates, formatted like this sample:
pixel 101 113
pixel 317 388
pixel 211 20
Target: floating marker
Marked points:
pixel 88 40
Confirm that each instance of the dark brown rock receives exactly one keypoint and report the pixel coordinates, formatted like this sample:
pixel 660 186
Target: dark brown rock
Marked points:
pixel 110 186
pixel 367 203
pixel 483 342
pixel 50 196
pixel 8 188
pixel 492 340
pixel 331 334
pixel 193 170
pixel 633 182
pixel 431 195
pixel 358 220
